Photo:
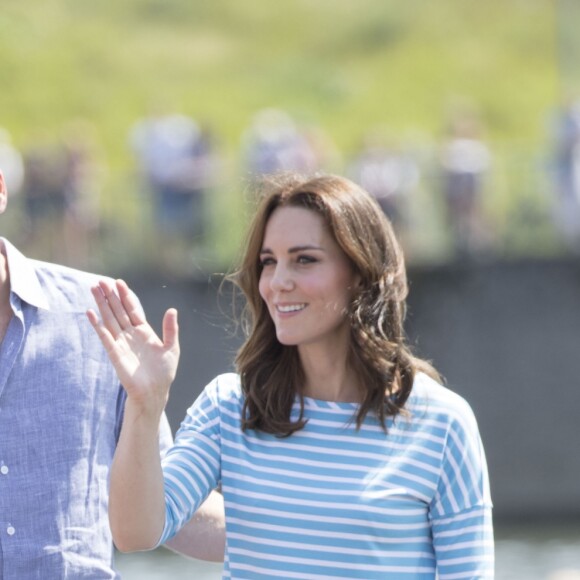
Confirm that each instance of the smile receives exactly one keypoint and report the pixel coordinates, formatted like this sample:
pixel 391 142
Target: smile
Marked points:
pixel 290 307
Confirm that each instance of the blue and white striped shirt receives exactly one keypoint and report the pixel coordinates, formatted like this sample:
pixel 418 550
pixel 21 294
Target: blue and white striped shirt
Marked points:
pixel 333 502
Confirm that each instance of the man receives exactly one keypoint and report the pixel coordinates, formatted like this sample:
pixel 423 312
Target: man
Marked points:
pixel 61 408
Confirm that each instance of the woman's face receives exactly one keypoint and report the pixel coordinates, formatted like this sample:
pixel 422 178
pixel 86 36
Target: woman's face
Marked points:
pixel 306 280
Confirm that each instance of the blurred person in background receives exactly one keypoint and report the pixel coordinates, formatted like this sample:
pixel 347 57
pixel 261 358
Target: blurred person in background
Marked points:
pixel 43 200
pixel 465 163
pixel 389 175
pixel 62 408
pixel 274 143
pixel 338 452
pixel 177 162
pixel 566 139
pixel 84 173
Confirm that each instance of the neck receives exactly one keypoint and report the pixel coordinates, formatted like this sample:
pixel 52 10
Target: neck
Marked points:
pixel 328 377
pixel 5 309
pixel 4 279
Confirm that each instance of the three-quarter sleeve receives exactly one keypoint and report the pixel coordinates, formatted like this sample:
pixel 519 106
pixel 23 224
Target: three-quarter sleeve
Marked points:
pixel 192 467
pixel 461 511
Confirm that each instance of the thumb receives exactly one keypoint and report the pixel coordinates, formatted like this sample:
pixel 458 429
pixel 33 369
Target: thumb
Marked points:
pixel 171 330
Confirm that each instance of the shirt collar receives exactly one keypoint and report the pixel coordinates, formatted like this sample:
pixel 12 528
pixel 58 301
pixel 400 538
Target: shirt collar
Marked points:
pixel 23 279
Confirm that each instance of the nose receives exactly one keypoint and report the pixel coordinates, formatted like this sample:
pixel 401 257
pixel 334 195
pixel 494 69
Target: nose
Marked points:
pixel 281 280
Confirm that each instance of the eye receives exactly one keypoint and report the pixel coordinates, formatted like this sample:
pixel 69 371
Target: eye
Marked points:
pixel 266 261
pixel 304 259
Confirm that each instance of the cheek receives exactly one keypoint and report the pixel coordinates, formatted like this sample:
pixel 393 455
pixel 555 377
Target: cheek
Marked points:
pixel 263 287
pixel 344 296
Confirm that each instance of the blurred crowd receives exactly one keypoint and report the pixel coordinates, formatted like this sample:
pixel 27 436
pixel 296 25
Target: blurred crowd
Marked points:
pixel 180 167
pixel 55 187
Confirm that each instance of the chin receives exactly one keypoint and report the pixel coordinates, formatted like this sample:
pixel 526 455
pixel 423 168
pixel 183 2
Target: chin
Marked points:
pixel 286 340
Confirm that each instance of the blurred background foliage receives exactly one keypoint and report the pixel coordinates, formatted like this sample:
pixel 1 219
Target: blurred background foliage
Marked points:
pixel 342 65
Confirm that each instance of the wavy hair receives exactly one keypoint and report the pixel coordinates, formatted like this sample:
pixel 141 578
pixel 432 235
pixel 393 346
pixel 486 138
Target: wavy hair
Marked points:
pixel 271 374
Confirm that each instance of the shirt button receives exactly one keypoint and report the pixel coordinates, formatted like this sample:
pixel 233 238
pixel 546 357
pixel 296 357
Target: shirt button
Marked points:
pixel 10 531
pixel 4 469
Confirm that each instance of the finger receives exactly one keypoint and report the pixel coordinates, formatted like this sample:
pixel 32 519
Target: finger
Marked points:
pixel 131 303
pixel 103 333
pixel 116 305
pixel 171 330
pixel 107 315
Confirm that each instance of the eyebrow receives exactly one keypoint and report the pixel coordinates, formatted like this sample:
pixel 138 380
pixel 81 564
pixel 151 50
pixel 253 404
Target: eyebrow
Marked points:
pixel 294 249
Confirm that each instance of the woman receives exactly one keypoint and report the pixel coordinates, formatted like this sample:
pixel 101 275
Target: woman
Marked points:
pixel 338 453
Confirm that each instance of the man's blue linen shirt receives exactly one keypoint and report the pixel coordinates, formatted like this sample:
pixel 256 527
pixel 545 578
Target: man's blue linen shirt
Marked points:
pixel 61 408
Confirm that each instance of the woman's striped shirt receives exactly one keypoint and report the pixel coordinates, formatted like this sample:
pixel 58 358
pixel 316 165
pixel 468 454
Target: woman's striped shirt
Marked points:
pixel 333 502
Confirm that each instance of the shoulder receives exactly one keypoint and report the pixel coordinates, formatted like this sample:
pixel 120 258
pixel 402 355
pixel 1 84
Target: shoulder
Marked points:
pixel 223 395
pixel 225 388
pixel 430 398
pixel 64 287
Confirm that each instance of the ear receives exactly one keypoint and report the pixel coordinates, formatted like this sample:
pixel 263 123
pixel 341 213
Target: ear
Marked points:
pixel 3 193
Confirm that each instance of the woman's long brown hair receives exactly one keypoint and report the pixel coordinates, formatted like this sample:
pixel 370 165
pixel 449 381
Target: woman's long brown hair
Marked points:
pixel 271 373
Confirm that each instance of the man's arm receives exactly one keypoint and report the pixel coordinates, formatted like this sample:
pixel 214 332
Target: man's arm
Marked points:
pixel 204 536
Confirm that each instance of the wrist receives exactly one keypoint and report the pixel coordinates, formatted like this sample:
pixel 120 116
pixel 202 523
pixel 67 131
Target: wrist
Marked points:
pixel 145 416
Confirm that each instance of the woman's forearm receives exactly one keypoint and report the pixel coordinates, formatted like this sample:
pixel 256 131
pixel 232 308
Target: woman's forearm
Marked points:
pixel 146 366
pixel 204 536
pixel 136 500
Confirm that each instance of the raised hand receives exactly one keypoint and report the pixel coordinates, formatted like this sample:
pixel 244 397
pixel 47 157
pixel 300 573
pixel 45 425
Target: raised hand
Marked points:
pixel 146 365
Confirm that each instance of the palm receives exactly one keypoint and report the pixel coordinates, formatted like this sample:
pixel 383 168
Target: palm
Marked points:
pixel 145 364
pixel 141 359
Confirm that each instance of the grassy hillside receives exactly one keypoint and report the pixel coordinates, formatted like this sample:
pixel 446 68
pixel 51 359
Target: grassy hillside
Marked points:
pixel 344 64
